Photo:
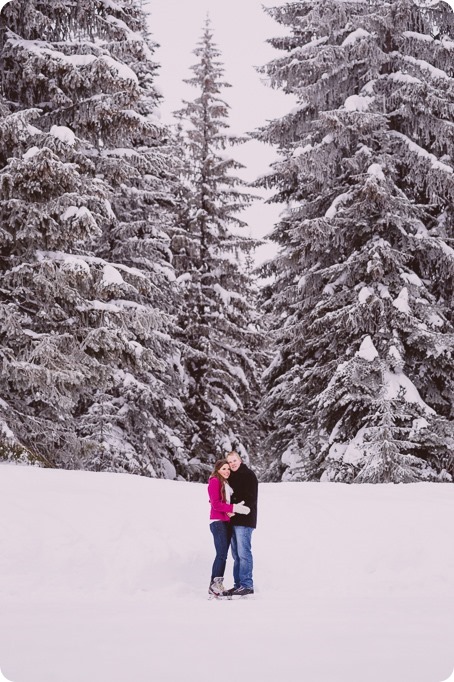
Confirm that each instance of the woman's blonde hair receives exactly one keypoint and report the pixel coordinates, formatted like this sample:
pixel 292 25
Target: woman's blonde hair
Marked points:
pixel 215 474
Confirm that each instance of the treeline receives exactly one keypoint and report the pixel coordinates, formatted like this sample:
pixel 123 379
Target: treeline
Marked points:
pixel 134 335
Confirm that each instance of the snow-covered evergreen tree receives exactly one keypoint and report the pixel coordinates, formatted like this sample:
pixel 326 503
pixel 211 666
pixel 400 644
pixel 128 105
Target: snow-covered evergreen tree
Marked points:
pixel 389 458
pixel 218 325
pixel 361 304
pixel 45 371
pixel 88 207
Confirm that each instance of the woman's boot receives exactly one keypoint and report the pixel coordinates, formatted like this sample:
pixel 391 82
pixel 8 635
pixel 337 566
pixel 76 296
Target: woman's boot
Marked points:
pixel 216 587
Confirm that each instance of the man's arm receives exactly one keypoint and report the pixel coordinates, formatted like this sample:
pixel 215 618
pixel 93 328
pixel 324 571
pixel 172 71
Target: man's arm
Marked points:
pixel 251 489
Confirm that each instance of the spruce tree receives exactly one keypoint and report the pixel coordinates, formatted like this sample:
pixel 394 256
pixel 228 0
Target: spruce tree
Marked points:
pixel 218 325
pixel 90 205
pixel 361 303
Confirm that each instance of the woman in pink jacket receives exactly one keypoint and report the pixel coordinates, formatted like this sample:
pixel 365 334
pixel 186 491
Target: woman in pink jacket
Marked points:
pixel 221 510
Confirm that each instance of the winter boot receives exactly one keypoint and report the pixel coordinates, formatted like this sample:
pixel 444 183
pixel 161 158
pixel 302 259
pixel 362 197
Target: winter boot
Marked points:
pixel 216 587
pixel 241 592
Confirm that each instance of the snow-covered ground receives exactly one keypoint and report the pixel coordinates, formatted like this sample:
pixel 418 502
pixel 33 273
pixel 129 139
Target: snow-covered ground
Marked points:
pixel 103 578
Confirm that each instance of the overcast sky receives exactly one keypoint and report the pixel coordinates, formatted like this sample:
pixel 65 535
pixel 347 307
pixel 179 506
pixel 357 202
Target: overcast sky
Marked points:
pixel 240 29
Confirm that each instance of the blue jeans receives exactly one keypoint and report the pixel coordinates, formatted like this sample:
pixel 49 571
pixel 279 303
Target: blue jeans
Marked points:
pixel 242 556
pixel 222 533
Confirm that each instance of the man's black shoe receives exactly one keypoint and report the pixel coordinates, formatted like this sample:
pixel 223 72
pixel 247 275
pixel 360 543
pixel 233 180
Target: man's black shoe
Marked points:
pixel 238 592
pixel 228 593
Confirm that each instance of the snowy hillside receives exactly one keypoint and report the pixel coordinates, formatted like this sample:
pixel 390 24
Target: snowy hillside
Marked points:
pixel 103 578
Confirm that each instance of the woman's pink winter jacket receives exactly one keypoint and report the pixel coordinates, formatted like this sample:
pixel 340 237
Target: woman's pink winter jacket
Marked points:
pixel 219 508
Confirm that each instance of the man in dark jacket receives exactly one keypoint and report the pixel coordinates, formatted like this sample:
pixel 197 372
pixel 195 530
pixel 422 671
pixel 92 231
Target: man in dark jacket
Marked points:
pixel 245 489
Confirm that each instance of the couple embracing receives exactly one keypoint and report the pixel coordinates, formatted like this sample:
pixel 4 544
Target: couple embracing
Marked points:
pixel 232 490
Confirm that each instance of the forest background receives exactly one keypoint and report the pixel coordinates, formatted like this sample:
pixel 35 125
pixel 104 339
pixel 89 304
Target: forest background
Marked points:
pixel 136 335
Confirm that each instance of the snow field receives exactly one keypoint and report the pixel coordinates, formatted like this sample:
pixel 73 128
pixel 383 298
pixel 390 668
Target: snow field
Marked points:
pixel 103 578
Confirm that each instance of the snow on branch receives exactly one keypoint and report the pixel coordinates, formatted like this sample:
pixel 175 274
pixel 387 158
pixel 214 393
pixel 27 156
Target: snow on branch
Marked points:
pixel 355 35
pixel 338 201
pixel 422 153
pixel 433 71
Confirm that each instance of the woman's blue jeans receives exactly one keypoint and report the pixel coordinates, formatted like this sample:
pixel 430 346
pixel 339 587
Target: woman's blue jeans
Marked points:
pixel 222 534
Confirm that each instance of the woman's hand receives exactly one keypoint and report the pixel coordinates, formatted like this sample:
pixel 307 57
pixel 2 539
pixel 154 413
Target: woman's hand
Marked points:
pixel 230 514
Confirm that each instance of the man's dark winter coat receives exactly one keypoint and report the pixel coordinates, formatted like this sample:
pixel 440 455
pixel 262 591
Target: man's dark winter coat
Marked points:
pixel 245 487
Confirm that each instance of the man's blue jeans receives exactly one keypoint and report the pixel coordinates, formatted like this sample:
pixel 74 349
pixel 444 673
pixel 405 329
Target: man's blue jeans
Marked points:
pixel 242 556
pixel 222 532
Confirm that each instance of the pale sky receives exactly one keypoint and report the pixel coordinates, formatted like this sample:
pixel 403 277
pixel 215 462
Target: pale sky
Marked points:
pixel 240 29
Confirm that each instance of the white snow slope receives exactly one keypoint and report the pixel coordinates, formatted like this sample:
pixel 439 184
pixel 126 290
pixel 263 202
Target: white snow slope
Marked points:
pixel 103 578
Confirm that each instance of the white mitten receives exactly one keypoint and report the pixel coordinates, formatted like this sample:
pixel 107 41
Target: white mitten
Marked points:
pixel 241 508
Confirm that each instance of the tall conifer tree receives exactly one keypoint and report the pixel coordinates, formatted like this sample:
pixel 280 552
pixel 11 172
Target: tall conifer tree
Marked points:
pixel 361 387
pixel 218 324
pixel 86 214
